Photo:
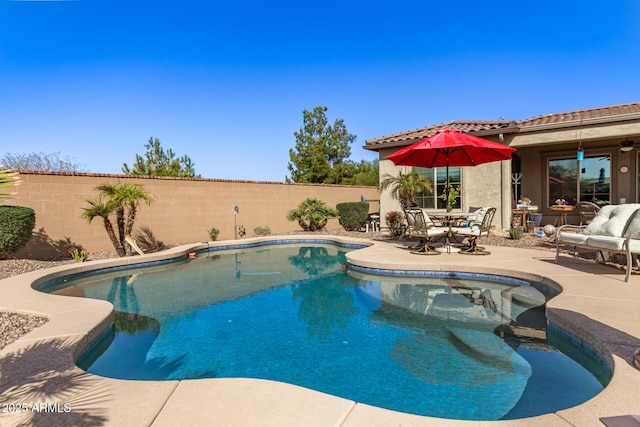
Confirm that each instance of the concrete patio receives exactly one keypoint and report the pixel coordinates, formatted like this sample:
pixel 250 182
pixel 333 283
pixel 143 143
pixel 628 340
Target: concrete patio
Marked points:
pixel 39 379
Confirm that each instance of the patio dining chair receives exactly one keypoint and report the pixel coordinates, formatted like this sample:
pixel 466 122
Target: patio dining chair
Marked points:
pixel 420 225
pixel 475 231
pixel 587 211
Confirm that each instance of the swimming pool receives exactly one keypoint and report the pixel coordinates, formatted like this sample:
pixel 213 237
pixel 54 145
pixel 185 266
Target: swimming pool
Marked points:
pixel 290 313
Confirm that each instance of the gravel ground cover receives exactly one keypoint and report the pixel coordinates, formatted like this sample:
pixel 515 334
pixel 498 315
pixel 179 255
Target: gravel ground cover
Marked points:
pixel 15 325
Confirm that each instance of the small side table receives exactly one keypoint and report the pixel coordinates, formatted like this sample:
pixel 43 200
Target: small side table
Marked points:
pixel 561 212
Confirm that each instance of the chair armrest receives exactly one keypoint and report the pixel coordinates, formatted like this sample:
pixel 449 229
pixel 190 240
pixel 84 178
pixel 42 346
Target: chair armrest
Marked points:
pixel 568 227
pixel 571 227
pixel 629 237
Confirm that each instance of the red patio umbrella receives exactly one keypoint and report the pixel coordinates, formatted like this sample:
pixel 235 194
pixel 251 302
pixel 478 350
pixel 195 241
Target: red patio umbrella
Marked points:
pixel 450 147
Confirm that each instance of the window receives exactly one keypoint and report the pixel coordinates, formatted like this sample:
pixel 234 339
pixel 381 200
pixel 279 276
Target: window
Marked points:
pixel 438 176
pixel 592 182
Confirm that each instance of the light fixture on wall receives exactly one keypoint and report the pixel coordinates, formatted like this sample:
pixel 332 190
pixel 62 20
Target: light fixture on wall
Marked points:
pixel 626 145
pixel 580 153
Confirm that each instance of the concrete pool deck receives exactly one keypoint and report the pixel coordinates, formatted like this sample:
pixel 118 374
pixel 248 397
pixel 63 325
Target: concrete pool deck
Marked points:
pixel 40 384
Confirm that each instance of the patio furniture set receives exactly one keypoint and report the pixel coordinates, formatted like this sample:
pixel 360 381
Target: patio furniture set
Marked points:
pixel 452 228
pixel 613 229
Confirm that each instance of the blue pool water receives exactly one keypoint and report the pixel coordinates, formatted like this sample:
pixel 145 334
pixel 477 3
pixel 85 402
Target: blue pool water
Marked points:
pixel 445 347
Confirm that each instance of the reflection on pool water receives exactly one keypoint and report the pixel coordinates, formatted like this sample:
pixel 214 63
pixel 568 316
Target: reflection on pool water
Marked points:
pixel 445 347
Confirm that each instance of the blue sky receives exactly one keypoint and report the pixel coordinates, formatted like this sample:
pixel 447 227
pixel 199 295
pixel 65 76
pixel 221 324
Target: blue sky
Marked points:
pixel 226 82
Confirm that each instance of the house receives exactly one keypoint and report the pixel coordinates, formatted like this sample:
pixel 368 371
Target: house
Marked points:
pixel 545 167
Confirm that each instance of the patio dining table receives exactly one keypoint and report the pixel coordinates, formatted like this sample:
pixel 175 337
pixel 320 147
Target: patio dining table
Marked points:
pixel 448 219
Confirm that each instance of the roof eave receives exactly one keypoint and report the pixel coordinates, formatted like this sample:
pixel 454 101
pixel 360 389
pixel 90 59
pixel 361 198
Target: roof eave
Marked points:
pixel 488 132
pixel 578 123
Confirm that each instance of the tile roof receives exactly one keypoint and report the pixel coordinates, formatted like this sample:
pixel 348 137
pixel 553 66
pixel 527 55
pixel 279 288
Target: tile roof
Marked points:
pixel 481 127
pixel 470 126
pixel 582 115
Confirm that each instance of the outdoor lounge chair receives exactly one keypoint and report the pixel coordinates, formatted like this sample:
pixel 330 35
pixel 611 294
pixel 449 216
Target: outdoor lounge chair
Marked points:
pixel 587 211
pixel 476 230
pixel 420 225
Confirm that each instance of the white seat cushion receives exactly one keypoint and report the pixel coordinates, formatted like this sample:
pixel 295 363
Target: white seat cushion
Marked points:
pixel 606 242
pixel 572 238
pixel 466 231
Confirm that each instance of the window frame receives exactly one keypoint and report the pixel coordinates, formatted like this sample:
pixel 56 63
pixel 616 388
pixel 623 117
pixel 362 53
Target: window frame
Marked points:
pixel 578 177
pixel 435 195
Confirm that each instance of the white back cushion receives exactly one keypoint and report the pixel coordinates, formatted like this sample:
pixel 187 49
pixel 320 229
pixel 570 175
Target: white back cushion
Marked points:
pixel 611 220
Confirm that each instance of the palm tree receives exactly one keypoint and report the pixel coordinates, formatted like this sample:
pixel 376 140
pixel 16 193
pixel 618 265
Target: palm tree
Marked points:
pixel 127 198
pixel 123 199
pixel 132 195
pixel 103 209
pixel 405 187
pixel 111 192
pixel 312 214
pixel 8 178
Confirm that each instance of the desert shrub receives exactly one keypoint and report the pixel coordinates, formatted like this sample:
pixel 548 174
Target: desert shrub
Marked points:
pixel 312 214
pixel 16 228
pixel 515 233
pixel 213 234
pixel 262 230
pixel 147 241
pixel 79 255
pixel 395 222
pixel 353 215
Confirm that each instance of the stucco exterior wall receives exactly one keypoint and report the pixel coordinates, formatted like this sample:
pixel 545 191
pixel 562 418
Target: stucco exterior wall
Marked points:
pixel 482 185
pixel 182 212
pixel 535 171
pixel 388 203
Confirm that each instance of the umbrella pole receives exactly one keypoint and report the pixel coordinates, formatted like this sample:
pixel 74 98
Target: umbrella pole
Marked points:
pixel 446 189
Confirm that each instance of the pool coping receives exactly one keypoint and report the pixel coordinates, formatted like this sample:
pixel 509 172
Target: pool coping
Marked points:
pixel 595 305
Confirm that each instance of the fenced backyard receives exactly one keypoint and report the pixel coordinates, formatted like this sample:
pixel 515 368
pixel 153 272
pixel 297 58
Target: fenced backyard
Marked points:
pixel 183 210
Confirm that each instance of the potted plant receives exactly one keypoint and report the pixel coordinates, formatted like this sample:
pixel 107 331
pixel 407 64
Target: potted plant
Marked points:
pixel 561 205
pixel 525 203
pixel 535 218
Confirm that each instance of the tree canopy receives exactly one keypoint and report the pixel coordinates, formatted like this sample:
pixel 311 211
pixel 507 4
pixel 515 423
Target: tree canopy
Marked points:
pixel 364 173
pixel 322 150
pixel 158 162
pixel 50 162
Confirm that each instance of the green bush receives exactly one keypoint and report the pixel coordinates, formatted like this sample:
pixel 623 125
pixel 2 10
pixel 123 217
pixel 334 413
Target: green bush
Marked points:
pixel 353 215
pixel 213 234
pixel 312 214
pixel 79 255
pixel 262 230
pixel 16 226
pixel 515 233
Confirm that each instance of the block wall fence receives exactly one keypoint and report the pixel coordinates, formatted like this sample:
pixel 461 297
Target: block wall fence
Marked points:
pixel 183 210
